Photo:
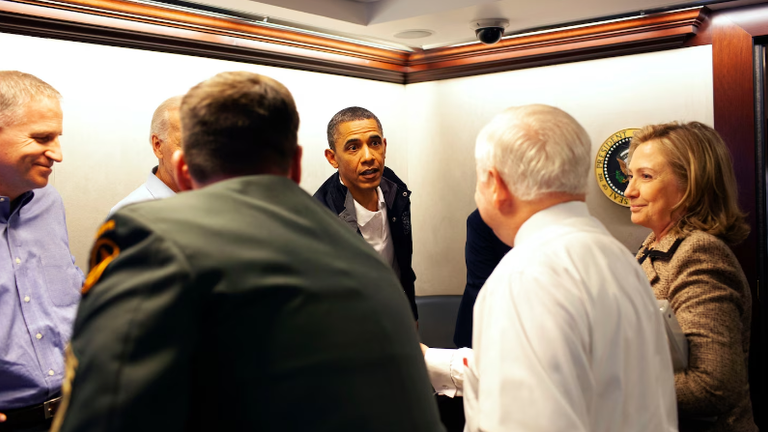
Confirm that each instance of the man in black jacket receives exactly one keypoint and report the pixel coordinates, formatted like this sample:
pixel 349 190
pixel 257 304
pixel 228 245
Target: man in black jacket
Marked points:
pixel 482 252
pixel 366 195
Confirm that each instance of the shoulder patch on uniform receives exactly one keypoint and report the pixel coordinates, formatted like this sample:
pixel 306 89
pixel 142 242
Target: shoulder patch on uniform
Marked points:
pixel 104 251
pixel 105 227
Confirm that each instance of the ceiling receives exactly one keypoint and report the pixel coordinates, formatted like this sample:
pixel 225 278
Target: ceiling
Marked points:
pixel 378 21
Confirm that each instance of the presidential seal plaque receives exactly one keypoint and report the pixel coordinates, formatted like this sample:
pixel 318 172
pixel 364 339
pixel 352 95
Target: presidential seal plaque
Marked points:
pixel 611 165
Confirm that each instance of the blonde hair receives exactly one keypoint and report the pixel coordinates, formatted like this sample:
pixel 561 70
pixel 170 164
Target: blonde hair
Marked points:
pixel 17 89
pixel 537 149
pixel 702 165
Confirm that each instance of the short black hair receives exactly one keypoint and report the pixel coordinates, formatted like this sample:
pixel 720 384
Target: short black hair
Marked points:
pixel 347 115
pixel 236 124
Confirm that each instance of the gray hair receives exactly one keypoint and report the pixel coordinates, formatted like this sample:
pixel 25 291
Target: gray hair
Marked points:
pixel 537 149
pixel 17 89
pixel 347 115
pixel 161 119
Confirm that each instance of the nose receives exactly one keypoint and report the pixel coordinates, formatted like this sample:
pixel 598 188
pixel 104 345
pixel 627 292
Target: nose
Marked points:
pixel 631 190
pixel 367 153
pixel 53 152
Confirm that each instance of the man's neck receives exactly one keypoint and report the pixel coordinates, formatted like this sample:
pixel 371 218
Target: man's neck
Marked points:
pixel 368 198
pixel 166 178
pixel 526 209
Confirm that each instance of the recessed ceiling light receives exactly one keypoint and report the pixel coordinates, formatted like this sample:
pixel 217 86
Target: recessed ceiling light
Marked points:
pixel 414 34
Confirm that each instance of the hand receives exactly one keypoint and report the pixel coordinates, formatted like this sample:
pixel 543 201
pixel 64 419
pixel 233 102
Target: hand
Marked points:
pixel 424 349
pixel 2 417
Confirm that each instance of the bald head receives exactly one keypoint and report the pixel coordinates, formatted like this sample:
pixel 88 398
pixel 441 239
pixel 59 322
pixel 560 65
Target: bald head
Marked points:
pixel 165 118
pixel 165 137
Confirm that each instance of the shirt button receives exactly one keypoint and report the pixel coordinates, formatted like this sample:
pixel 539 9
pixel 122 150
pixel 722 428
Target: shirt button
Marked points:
pixel 405 193
pixel 50 372
pixel 39 336
pixel 394 219
pixel 18 260
pixel 26 299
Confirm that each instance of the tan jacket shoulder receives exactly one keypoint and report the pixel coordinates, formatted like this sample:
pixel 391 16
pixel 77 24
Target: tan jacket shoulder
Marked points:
pixel 706 287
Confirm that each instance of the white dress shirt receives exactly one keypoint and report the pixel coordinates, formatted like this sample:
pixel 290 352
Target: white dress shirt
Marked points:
pixel 567 336
pixel 375 228
pixel 152 189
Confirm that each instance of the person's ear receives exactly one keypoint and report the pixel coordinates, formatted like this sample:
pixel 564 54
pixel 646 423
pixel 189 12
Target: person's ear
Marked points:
pixel 501 197
pixel 157 145
pixel 181 172
pixel 330 155
pixel 294 173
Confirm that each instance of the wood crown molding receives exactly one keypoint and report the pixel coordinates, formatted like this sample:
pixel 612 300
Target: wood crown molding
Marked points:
pixel 149 26
pixel 620 37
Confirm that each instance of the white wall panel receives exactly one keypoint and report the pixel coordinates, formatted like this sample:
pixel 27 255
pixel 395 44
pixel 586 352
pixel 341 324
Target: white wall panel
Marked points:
pixel 109 97
pixel 605 96
pixel 110 94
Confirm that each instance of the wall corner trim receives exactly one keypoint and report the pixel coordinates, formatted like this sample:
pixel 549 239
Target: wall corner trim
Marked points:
pixel 150 26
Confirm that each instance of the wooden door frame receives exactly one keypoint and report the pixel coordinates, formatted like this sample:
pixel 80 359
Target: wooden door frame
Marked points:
pixel 737 91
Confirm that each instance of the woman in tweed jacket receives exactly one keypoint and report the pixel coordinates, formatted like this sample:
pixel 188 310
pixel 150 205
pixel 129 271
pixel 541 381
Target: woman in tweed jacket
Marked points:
pixel 683 188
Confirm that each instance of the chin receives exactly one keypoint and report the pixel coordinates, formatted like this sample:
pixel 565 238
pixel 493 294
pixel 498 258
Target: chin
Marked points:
pixel 641 222
pixel 38 183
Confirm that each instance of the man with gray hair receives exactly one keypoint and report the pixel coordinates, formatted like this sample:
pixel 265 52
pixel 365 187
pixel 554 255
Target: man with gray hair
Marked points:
pixel 165 138
pixel 567 333
pixel 39 282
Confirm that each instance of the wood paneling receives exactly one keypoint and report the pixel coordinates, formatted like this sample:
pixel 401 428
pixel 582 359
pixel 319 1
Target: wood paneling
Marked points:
pixel 732 34
pixel 734 119
pixel 138 25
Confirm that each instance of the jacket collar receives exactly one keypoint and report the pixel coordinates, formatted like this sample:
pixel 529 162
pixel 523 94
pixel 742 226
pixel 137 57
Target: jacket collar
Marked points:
pixel 343 202
pixel 664 251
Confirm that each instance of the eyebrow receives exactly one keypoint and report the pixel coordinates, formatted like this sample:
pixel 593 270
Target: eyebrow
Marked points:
pixel 642 168
pixel 352 141
pixel 358 140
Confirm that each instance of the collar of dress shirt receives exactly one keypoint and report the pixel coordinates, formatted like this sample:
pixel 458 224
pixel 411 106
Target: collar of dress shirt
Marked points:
pixel 548 217
pixel 157 188
pixel 7 209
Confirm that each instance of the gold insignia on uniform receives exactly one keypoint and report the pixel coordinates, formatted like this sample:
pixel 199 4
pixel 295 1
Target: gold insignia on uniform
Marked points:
pixel 103 252
pixel 611 165
pixel 106 226
pixel 70 366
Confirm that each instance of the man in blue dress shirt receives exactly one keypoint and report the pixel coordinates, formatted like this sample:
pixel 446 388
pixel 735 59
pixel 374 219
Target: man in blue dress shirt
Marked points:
pixel 165 138
pixel 39 282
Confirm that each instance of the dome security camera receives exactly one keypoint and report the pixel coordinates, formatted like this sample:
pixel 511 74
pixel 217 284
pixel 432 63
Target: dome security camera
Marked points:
pixel 489 31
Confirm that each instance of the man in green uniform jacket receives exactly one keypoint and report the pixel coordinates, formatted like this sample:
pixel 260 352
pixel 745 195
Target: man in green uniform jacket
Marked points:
pixel 244 305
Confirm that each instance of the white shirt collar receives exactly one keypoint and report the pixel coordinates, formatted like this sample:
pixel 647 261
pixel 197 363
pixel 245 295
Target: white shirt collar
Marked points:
pixel 364 215
pixel 548 217
pixel 156 187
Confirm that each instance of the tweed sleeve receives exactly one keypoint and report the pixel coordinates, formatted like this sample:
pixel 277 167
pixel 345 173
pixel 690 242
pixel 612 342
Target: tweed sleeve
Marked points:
pixel 707 292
